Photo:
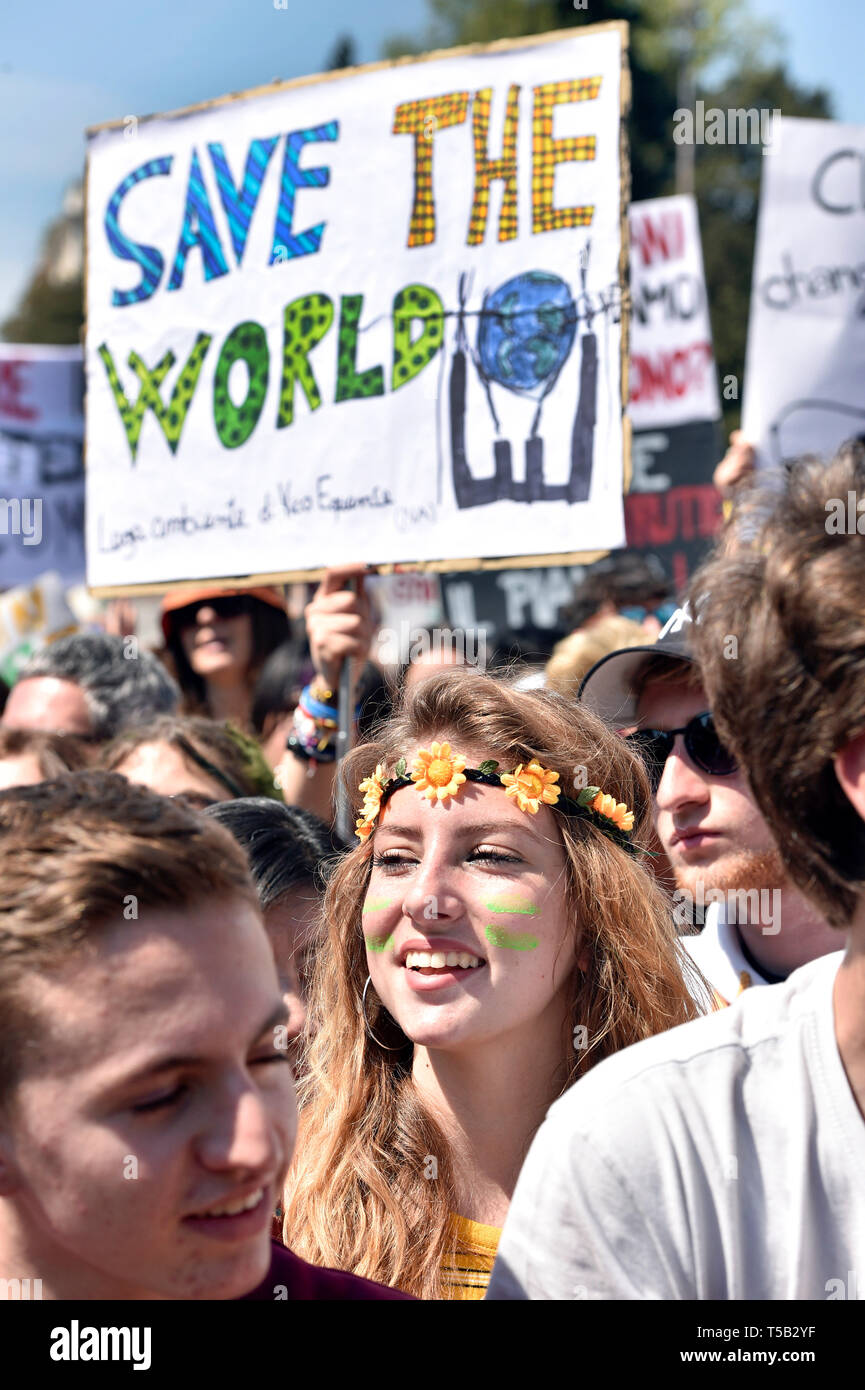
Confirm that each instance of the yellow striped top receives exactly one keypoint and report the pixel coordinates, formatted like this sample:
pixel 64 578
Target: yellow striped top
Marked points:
pixel 468 1263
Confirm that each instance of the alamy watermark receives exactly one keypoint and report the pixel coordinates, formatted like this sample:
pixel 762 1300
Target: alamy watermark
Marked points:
pixel 466 646
pixel 77 1343
pixel 20 1290
pixel 845 518
pixel 754 906
pixel 736 126
pixel 22 516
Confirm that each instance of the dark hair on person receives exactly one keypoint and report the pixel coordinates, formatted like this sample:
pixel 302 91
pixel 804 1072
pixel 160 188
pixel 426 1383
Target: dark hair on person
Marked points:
pixel 662 669
pixel 284 674
pixel 780 636
pixel 54 753
pixel 73 853
pixel 221 751
pixel 123 685
pixel 623 578
pixel 287 847
pixel 289 668
pixel 270 628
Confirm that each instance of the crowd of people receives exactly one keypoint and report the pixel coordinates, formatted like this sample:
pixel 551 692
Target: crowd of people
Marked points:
pixel 579 1012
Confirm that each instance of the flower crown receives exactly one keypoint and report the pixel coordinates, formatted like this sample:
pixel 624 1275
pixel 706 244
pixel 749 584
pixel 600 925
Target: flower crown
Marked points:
pixel 439 774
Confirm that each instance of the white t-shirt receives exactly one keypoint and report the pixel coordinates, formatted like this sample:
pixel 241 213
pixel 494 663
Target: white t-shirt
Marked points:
pixel 718 953
pixel 724 1159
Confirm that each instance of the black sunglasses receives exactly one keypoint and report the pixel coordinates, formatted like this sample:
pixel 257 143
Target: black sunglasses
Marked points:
pixel 223 605
pixel 702 745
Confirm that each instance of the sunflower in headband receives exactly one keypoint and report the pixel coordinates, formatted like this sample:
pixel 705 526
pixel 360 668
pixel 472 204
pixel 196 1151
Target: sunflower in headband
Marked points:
pixel 530 785
pixel 372 788
pixel 615 811
pixel 439 773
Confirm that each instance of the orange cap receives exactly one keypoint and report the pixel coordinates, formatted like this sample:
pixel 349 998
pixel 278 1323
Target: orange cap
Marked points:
pixel 181 598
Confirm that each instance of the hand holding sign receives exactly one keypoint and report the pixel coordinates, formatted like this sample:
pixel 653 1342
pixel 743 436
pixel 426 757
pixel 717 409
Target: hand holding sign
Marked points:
pixel 339 623
pixel 736 467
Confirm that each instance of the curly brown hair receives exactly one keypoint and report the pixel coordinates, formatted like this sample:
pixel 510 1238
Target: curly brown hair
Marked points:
pixel 780 637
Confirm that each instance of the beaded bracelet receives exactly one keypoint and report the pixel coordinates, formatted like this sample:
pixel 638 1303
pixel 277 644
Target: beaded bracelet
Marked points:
pixel 327 754
pixel 323 714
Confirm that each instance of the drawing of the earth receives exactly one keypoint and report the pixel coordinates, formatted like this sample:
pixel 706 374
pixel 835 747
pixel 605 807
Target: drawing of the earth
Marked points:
pixel 526 330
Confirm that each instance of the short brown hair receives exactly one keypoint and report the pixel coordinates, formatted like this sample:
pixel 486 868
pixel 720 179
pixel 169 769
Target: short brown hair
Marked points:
pixel 228 756
pixel 781 641
pixel 54 753
pixel 73 853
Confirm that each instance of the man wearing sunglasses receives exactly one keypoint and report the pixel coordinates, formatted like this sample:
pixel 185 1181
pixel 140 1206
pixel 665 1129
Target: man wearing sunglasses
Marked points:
pixel 729 875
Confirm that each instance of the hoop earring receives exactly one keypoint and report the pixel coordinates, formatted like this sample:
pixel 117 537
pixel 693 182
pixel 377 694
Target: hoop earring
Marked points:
pixel 366 1020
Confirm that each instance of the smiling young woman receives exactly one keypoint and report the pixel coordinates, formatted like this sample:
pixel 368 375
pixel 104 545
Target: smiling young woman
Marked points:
pixel 495 933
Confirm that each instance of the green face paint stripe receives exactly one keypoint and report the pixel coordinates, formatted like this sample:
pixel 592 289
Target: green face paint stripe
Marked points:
pixel 373 945
pixel 510 940
pixel 527 909
pixel 378 906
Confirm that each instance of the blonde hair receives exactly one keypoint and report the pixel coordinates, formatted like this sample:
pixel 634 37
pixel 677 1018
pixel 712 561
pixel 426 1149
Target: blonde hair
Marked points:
pixel 574 657
pixel 357 1198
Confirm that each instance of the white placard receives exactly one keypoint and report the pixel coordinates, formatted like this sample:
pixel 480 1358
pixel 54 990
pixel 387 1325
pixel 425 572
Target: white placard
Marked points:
pixel 31 616
pixel 672 378
pixel 41 476
pixel 359 346
pixel 805 362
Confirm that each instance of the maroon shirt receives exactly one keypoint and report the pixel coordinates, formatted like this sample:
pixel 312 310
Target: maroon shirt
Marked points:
pixel 299 1281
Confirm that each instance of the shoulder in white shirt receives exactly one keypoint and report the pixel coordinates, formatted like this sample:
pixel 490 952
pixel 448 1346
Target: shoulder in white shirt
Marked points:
pixel 720 1160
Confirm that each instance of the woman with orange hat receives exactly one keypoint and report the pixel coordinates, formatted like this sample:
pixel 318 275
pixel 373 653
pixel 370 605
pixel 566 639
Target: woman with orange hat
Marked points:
pixel 218 640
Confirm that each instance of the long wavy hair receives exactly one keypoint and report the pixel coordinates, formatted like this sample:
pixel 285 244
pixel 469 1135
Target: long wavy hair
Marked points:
pixel 357 1198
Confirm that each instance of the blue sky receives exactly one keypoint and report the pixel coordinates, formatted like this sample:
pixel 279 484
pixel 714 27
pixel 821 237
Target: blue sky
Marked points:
pixel 64 66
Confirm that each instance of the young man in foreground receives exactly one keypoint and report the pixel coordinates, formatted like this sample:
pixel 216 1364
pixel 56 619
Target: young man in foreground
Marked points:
pixel 724 1159
pixel 147 1112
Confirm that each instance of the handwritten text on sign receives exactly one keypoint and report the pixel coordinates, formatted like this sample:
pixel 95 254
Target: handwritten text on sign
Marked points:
pixel 672 377
pixel 352 242
pixel 806 335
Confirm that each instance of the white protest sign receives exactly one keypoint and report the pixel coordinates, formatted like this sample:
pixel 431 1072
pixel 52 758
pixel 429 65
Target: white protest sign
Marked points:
pixel 672 378
pixel 31 616
pixel 672 511
pixel 41 476
pixel 371 317
pixel 805 362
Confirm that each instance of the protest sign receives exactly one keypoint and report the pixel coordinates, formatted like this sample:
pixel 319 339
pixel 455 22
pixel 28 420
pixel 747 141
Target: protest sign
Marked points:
pixel 41 476
pixel 30 616
pixel 672 510
pixel 375 315
pixel 806 335
pixel 408 606
pixel 672 378
pixel 525 605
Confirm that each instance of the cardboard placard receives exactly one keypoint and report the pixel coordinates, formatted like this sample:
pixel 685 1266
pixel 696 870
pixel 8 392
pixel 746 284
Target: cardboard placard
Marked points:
pixel 806 334
pixel 376 315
